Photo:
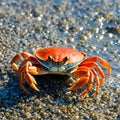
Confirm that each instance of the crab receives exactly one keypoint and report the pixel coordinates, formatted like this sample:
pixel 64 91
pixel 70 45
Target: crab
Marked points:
pixel 61 60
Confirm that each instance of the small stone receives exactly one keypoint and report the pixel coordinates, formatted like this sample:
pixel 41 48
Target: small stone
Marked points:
pixel 92 47
pixel 83 37
pixel 110 35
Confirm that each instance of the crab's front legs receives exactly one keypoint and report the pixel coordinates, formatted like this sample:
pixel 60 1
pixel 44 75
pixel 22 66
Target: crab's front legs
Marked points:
pixel 17 57
pixel 26 70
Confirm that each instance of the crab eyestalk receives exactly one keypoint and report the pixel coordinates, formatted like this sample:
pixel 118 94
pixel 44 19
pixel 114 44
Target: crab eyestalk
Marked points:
pixel 65 60
pixel 49 58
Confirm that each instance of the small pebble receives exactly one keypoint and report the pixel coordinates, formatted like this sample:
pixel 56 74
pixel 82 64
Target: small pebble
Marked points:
pixel 83 37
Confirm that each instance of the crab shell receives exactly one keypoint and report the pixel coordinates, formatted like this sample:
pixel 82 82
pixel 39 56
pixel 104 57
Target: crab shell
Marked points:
pixel 59 59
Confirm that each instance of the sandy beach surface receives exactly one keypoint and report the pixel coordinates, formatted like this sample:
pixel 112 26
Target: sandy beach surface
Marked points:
pixel 92 26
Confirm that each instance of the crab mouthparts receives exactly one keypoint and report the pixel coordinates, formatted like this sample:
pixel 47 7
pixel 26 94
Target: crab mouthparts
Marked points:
pixel 57 69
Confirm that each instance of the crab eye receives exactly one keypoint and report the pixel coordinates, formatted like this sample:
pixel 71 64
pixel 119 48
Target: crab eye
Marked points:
pixel 49 57
pixel 65 59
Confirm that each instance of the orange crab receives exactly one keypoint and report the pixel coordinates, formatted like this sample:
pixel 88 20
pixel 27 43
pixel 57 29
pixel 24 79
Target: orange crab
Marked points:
pixel 60 60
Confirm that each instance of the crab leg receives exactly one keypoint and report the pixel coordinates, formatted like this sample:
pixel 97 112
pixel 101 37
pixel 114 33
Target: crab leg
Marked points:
pixel 100 71
pixel 17 57
pixel 31 81
pixel 96 79
pixel 80 83
pixel 89 86
pixel 83 74
pixel 24 71
pixel 21 81
pixel 86 72
pixel 103 62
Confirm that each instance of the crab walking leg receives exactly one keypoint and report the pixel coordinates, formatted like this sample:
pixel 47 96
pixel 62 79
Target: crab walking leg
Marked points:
pixel 31 81
pixel 91 65
pixel 91 79
pixel 17 57
pixel 21 82
pixel 96 79
pixel 100 71
pixel 80 83
pixel 88 76
pixel 98 82
pixel 103 62
pixel 83 74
